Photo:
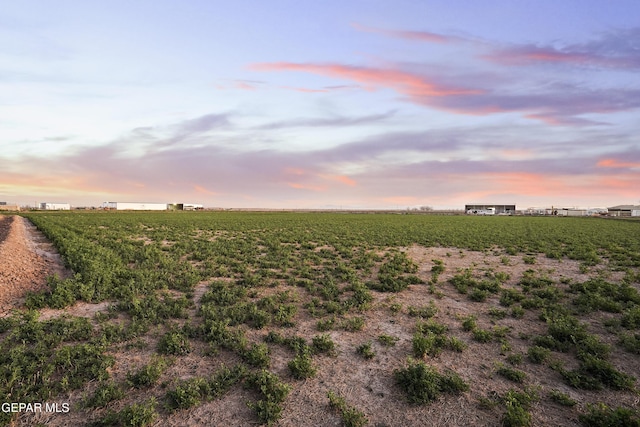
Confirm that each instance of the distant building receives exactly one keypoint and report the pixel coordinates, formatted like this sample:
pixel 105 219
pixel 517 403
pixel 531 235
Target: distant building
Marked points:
pixel 190 207
pixel 490 209
pixel 6 207
pixel 572 212
pixel 55 206
pixel 624 210
pixel 134 206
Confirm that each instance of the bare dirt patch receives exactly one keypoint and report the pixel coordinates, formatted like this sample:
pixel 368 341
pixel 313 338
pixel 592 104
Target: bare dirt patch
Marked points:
pixel 27 259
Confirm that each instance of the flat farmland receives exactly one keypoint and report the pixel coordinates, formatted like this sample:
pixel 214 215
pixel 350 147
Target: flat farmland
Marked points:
pixel 329 319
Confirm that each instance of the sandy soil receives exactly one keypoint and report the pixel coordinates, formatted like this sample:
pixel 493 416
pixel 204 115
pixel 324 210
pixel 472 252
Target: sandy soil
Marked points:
pixel 26 260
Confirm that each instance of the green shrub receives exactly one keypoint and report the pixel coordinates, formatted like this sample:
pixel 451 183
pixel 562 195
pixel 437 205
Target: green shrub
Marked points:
pixel 323 344
pixel 561 398
pixel 148 374
pixel 351 417
pixel 301 366
pixel 424 312
pixel 601 415
pixel 388 340
pixel 366 351
pixel 510 296
pixel 469 323
pixel 478 295
pixel 174 343
pixel 191 392
pixel 514 359
pixel 423 384
pixel 428 344
pixel 630 343
pixel 482 335
pixel 187 394
pixel 106 393
pixel 512 374
pixel 516 415
pixel 538 354
pixel 353 324
pixel 135 415
pixel 257 355
pixel 274 392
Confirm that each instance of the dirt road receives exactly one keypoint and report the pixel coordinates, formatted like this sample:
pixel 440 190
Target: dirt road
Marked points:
pixel 23 266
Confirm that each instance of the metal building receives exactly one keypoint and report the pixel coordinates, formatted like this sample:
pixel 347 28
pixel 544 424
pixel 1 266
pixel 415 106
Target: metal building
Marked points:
pixel 134 206
pixel 624 210
pixel 485 209
pixel 55 206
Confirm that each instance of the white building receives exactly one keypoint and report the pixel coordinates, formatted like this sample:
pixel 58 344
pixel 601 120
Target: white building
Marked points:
pixel 55 206
pixel 134 206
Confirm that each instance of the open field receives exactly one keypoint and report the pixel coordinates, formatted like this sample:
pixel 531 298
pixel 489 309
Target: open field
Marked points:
pixel 236 318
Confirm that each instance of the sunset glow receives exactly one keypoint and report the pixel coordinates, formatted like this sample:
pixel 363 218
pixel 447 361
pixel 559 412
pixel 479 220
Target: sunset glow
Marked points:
pixel 363 105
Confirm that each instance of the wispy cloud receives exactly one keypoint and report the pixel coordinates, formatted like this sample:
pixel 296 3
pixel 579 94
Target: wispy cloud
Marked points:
pixel 336 121
pixel 614 49
pixel 421 36
pixel 409 84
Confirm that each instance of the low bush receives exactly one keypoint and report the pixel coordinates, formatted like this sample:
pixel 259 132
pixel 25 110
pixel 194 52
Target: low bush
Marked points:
pixel 423 384
pixel 366 351
pixel 388 340
pixel 351 417
pixel 106 393
pixel 561 398
pixel 273 391
pixel 148 374
pixel 174 343
pixel 601 415
pixel 512 374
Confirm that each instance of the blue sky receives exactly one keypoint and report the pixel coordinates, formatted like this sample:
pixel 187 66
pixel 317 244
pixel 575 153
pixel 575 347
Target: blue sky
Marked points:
pixel 289 104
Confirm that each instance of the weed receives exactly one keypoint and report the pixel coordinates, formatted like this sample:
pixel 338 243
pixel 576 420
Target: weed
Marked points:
pixel 388 340
pixel 469 323
pixel 257 355
pixel 148 374
pixel 537 354
pixel 301 366
pixel 174 343
pixel 482 335
pixel 135 415
pixel 511 374
pixel 423 312
pixel 601 415
pixel 630 343
pixel 366 351
pixel 423 384
pixel 274 393
pixel 561 398
pixel 106 393
pixel 515 359
pixel 323 344
pixel 351 417
pixel 353 324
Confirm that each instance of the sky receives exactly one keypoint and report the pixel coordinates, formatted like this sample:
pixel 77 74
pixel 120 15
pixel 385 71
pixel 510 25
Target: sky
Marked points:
pixel 354 104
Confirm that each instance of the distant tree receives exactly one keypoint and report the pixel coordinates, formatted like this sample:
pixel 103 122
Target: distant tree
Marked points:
pixel 426 208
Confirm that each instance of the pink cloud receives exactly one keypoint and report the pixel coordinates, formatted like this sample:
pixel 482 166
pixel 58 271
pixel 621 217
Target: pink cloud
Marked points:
pixel 341 178
pixel 299 186
pixel 422 36
pixel 202 190
pixel 305 90
pixel 244 86
pixel 613 163
pixel 527 54
pixel 410 84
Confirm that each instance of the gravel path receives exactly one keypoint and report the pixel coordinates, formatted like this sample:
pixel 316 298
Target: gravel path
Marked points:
pixel 23 266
